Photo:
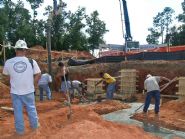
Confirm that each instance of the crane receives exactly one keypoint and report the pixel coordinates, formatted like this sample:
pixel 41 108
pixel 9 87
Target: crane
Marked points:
pixel 128 37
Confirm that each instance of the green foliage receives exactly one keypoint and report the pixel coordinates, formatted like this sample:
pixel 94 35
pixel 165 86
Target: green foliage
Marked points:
pixel 153 37
pixel 96 29
pixel 181 17
pixel 76 38
pixel 177 34
pixel 34 5
pixel 161 23
pixel 69 30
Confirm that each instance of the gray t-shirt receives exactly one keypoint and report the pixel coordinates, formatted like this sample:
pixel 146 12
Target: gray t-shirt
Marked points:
pixel 151 83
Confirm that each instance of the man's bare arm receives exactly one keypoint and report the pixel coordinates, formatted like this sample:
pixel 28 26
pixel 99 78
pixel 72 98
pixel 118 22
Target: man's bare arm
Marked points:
pixel 165 79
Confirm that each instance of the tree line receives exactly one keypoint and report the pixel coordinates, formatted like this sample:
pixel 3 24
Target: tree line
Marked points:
pixel 76 30
pixel 69 31
pixel 163 33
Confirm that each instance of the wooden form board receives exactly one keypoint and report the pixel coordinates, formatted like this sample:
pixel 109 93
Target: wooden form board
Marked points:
pixel 128 81
pixel 181 86
pixel 91 85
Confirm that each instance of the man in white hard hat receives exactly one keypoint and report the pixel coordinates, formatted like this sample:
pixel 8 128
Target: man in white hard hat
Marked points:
pixel 22 75
pixel 151 84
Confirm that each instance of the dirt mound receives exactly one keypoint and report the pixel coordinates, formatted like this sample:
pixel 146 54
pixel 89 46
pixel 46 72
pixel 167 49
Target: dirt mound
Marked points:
pixel 175 105
pixel 40 54
pixel 84 123
pixel 109 106
pixel 39 47
pixel 4 91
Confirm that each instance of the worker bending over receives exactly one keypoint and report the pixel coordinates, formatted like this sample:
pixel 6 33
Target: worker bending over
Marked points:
pixel 44 85
pixel 75 85
pixel 111 84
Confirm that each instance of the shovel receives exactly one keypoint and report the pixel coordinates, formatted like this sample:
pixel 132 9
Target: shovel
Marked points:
pixel 68 103
pixel 162 88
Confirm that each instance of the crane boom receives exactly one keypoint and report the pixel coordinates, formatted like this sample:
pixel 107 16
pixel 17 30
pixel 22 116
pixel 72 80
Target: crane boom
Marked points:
pixel 127 36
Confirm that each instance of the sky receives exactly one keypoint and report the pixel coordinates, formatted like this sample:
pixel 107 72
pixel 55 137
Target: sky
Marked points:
pixel 141 13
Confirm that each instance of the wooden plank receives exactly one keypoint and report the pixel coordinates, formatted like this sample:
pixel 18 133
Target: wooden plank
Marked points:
pixel 7 109
pixel 170 96
pixel 180 93
pixel 181 86
pixel 169 83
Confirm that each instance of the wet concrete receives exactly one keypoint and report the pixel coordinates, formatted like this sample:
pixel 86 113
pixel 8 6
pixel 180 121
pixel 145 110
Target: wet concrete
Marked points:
pixel 123 116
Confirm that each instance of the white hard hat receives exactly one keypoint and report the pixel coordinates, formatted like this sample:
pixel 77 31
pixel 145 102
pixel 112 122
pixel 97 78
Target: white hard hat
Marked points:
pixel 149 75
pixel 21 44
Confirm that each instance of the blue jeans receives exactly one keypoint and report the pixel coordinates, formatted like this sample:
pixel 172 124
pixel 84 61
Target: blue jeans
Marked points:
pixel 111 88
pixel 156 95
pixel 63 86
pixel 18 102
pixel 45 87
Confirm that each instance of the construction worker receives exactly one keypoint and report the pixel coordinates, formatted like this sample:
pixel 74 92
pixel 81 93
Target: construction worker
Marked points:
pixel 22 75
pixel 63 74
pixel 75 85
pixel 80 88
pixel 151 84
pixel 111 84
pixel 44 85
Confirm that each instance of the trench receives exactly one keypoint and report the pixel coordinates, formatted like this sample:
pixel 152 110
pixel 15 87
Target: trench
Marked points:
pixel 123 116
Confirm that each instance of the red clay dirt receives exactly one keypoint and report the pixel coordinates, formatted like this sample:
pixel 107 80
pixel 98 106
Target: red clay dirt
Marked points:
pixel 4 91
pixel 172 115
pixel 84 123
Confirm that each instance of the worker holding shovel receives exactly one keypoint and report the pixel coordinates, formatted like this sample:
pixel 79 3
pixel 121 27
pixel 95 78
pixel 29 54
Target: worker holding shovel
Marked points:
pixel 63 73
pixel 151 84
pixel 65 85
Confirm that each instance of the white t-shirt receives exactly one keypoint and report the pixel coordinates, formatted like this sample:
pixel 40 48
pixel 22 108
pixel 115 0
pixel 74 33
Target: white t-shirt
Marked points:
pixel 21 74
pixel 151 83
pixel 75 86
pixel 45 79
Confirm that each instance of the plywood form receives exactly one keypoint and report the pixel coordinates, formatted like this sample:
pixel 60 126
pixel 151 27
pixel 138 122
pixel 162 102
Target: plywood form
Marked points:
pixel 181 86
pixel 128 81
pixel 91 85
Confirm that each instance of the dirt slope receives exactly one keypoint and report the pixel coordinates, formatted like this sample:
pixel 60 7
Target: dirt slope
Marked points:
pixel 84 123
